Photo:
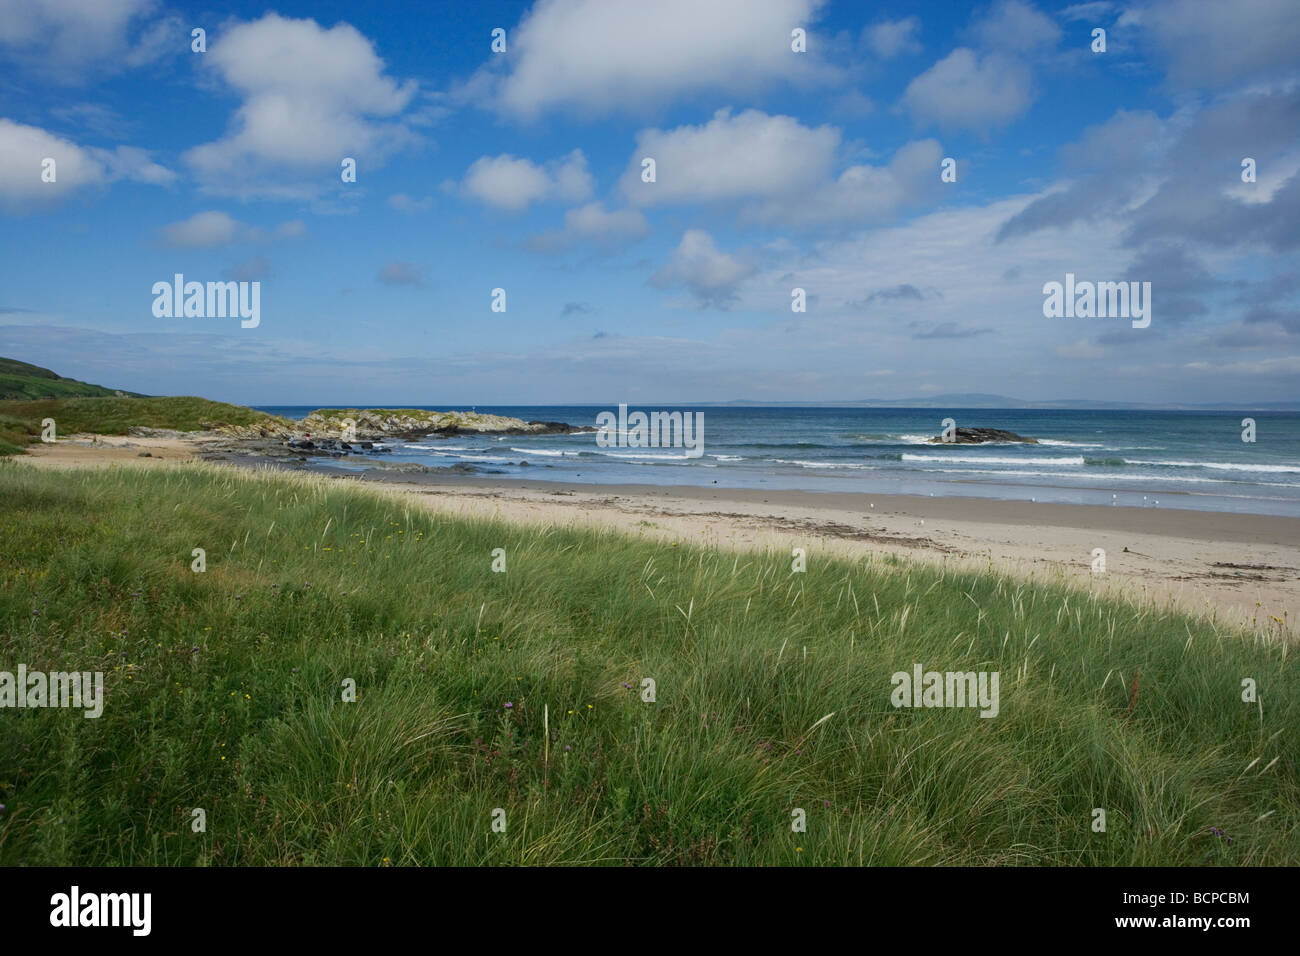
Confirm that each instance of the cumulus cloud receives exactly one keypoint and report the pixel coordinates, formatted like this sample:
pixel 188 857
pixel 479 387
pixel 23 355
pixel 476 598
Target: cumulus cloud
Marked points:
pixel 967 90
pixel 1016 26
pixel 774 170
pixel 514 183
pixel 66 40
pixel 1211 44
pixel 605 228
pixel 697 265
pixel 1177 179
pixel 730 157
pixel 991 83
pixel 310 98
pixel 891 38
pixel 23 150
pixel 211 229
pixel 203 230
pixel 602 56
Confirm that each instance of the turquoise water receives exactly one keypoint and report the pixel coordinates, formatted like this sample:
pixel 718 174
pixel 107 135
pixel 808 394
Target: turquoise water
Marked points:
pixel 1183 459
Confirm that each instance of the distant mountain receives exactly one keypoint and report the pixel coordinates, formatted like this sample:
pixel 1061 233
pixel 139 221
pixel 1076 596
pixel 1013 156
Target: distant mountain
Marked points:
pixel 19 380
pixel 987 400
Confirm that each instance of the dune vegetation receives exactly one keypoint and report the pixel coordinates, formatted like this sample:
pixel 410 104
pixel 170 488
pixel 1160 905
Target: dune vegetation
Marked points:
pixel 20 421
pixel 523 691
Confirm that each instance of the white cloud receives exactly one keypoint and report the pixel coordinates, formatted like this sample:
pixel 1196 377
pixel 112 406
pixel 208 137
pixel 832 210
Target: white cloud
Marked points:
pixel 966 90
pixel 990 83
pixel 311 97
pixel 593 222
pixel 169 36
pixel 24 148
pixel 1093 10
pixel 66 39
pixel 774 170
pixel 1017 26
pixel 211 229
pixel 706 272
pixel 729 158
pixel 890 38
pixel 203 230
pixel 514 183
pixel 1210 43
pixel 603 56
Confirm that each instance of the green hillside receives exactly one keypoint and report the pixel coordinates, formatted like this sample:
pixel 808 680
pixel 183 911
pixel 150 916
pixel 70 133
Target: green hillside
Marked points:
pixel 19 380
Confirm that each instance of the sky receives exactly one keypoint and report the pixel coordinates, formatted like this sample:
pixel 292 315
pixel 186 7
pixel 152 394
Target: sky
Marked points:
pixel 775 169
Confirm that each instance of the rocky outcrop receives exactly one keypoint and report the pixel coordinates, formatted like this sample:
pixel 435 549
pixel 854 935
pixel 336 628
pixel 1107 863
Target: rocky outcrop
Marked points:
pixel 337 433
pixel 378 423
pixel 978 436
pixel 268 428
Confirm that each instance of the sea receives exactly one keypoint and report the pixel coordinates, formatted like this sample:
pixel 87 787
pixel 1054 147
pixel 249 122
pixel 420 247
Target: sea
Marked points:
pixel 1138 458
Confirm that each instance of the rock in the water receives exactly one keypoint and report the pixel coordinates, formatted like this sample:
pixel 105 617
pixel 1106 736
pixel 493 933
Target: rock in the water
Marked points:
pixel 978 436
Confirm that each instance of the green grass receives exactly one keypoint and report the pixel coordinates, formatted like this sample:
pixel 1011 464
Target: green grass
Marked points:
pixel 20 422
pixel 21 381
pixel 224 692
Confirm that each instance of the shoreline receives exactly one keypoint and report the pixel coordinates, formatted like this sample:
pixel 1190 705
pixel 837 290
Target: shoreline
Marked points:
pixel 1239 568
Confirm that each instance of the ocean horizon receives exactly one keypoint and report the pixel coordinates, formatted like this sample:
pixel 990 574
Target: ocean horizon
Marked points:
pixel 1194 459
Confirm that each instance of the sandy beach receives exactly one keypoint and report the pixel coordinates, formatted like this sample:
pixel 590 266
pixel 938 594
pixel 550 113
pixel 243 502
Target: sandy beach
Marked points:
pixel 1241 569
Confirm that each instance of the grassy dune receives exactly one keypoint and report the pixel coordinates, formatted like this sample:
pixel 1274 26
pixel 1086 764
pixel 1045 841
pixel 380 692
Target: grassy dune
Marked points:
pixel 20 380
pixel 20 422
pixel 224 692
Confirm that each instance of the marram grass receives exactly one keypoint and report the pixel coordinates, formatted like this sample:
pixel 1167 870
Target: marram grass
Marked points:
pixel 772 693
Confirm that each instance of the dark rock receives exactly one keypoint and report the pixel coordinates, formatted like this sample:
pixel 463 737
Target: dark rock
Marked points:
pixel 561 428
pixel 978 436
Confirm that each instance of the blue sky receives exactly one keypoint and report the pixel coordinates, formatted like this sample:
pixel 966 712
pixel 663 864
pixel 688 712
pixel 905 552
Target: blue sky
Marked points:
pixel 774 170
